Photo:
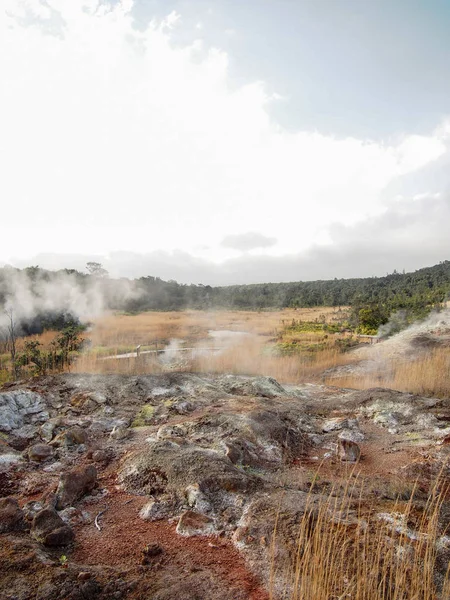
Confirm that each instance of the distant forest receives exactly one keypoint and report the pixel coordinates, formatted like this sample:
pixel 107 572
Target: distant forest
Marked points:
pixel 425 287
pixel 377 297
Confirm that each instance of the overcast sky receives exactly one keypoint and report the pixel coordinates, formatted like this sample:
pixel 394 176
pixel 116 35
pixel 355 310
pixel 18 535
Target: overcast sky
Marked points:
pixel 225 141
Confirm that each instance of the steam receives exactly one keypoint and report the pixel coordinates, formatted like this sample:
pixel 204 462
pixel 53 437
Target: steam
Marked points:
pixel 397 322
pixel 432 332
pixel 31 293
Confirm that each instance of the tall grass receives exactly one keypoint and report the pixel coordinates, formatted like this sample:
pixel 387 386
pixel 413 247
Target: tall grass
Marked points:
pixel 427 375
pixel 343 552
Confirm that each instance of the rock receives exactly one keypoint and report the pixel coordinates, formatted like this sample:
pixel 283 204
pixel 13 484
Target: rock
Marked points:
pixel 119 433
pixel 49 529
pixel 9 460
pixel 40 452
pixel 150 552
pixel 354 435
pixel 75 436
pixel 11 515
pixel 19 408
pixel 74 484
pixel 194 523
pixel 335 425
pixel 155 511
pixel 103 455
pixel 348 451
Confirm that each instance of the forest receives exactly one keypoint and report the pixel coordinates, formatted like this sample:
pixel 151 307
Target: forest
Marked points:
pixel 45 299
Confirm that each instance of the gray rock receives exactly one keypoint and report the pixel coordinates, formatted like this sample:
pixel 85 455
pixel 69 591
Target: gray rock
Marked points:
pixel 9 460
pixel 19 408
pixel 354 435
pixel 49 529
pixel 155 510
pixel 194 523
pixel 74 484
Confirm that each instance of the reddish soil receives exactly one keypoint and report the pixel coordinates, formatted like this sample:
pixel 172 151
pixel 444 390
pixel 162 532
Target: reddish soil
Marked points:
pixel 124 535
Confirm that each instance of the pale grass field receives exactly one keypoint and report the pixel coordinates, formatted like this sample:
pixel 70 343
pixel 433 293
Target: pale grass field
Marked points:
pixel 250 355
pixel 146 328
pixel 253 354
pixel 428 375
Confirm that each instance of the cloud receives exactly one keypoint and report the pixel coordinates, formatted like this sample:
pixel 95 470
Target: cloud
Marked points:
pixel 410 234
pixel 116 139
pixel 248 241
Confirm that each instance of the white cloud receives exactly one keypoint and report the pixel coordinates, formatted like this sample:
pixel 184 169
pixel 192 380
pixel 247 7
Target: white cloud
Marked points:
pixel 114 139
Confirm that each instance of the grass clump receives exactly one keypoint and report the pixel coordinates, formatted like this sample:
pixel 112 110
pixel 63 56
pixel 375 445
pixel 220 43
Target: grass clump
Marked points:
pixel 348 549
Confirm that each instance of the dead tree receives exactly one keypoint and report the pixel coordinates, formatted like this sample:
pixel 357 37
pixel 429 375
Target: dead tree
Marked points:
pixel 11 331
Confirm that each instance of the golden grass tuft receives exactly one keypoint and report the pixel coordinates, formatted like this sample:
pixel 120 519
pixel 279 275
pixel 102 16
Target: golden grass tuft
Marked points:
pixel 344 551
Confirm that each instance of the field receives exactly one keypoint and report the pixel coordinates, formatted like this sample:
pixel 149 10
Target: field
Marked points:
pixel 240 342
pixel 291 345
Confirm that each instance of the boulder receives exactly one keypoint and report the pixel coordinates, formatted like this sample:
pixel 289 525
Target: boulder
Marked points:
pixel 74 436
pixel 11 515
pixel 74 484
pixel 8 460
pixel 348 451
pixel 19 408
pixel 49 529
pixel 40 452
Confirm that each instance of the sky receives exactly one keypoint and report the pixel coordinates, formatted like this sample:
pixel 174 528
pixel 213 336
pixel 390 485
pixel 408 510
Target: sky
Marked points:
pixel 223 141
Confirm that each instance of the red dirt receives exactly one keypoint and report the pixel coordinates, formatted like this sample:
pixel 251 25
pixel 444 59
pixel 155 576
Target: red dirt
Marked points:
pixel 124 535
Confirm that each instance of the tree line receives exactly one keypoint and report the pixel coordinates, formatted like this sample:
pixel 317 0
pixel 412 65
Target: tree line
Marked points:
pixel 372 299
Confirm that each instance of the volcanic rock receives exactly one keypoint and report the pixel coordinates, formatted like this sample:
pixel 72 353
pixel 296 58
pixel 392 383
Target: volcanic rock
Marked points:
pixel 194 523
pixel 49 529
pixel 348 451
pixel 19 408
pixel 74 484
pixel 40 452
pixel 11 515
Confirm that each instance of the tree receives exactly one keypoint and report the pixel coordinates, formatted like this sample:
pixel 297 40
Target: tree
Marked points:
pixel 96 269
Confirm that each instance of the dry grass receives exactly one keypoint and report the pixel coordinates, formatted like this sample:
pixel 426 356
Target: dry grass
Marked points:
pixel 428 375
pixel 251 354
pixel 146 328
pixel 347 551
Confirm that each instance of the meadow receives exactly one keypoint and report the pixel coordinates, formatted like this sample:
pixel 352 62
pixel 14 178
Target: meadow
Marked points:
pixel 292 345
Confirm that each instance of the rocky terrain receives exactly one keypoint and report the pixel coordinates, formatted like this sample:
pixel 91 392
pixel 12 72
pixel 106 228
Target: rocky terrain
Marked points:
pixel 169 486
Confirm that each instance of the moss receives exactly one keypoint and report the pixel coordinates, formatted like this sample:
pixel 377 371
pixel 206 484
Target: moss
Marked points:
pixel 144 416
